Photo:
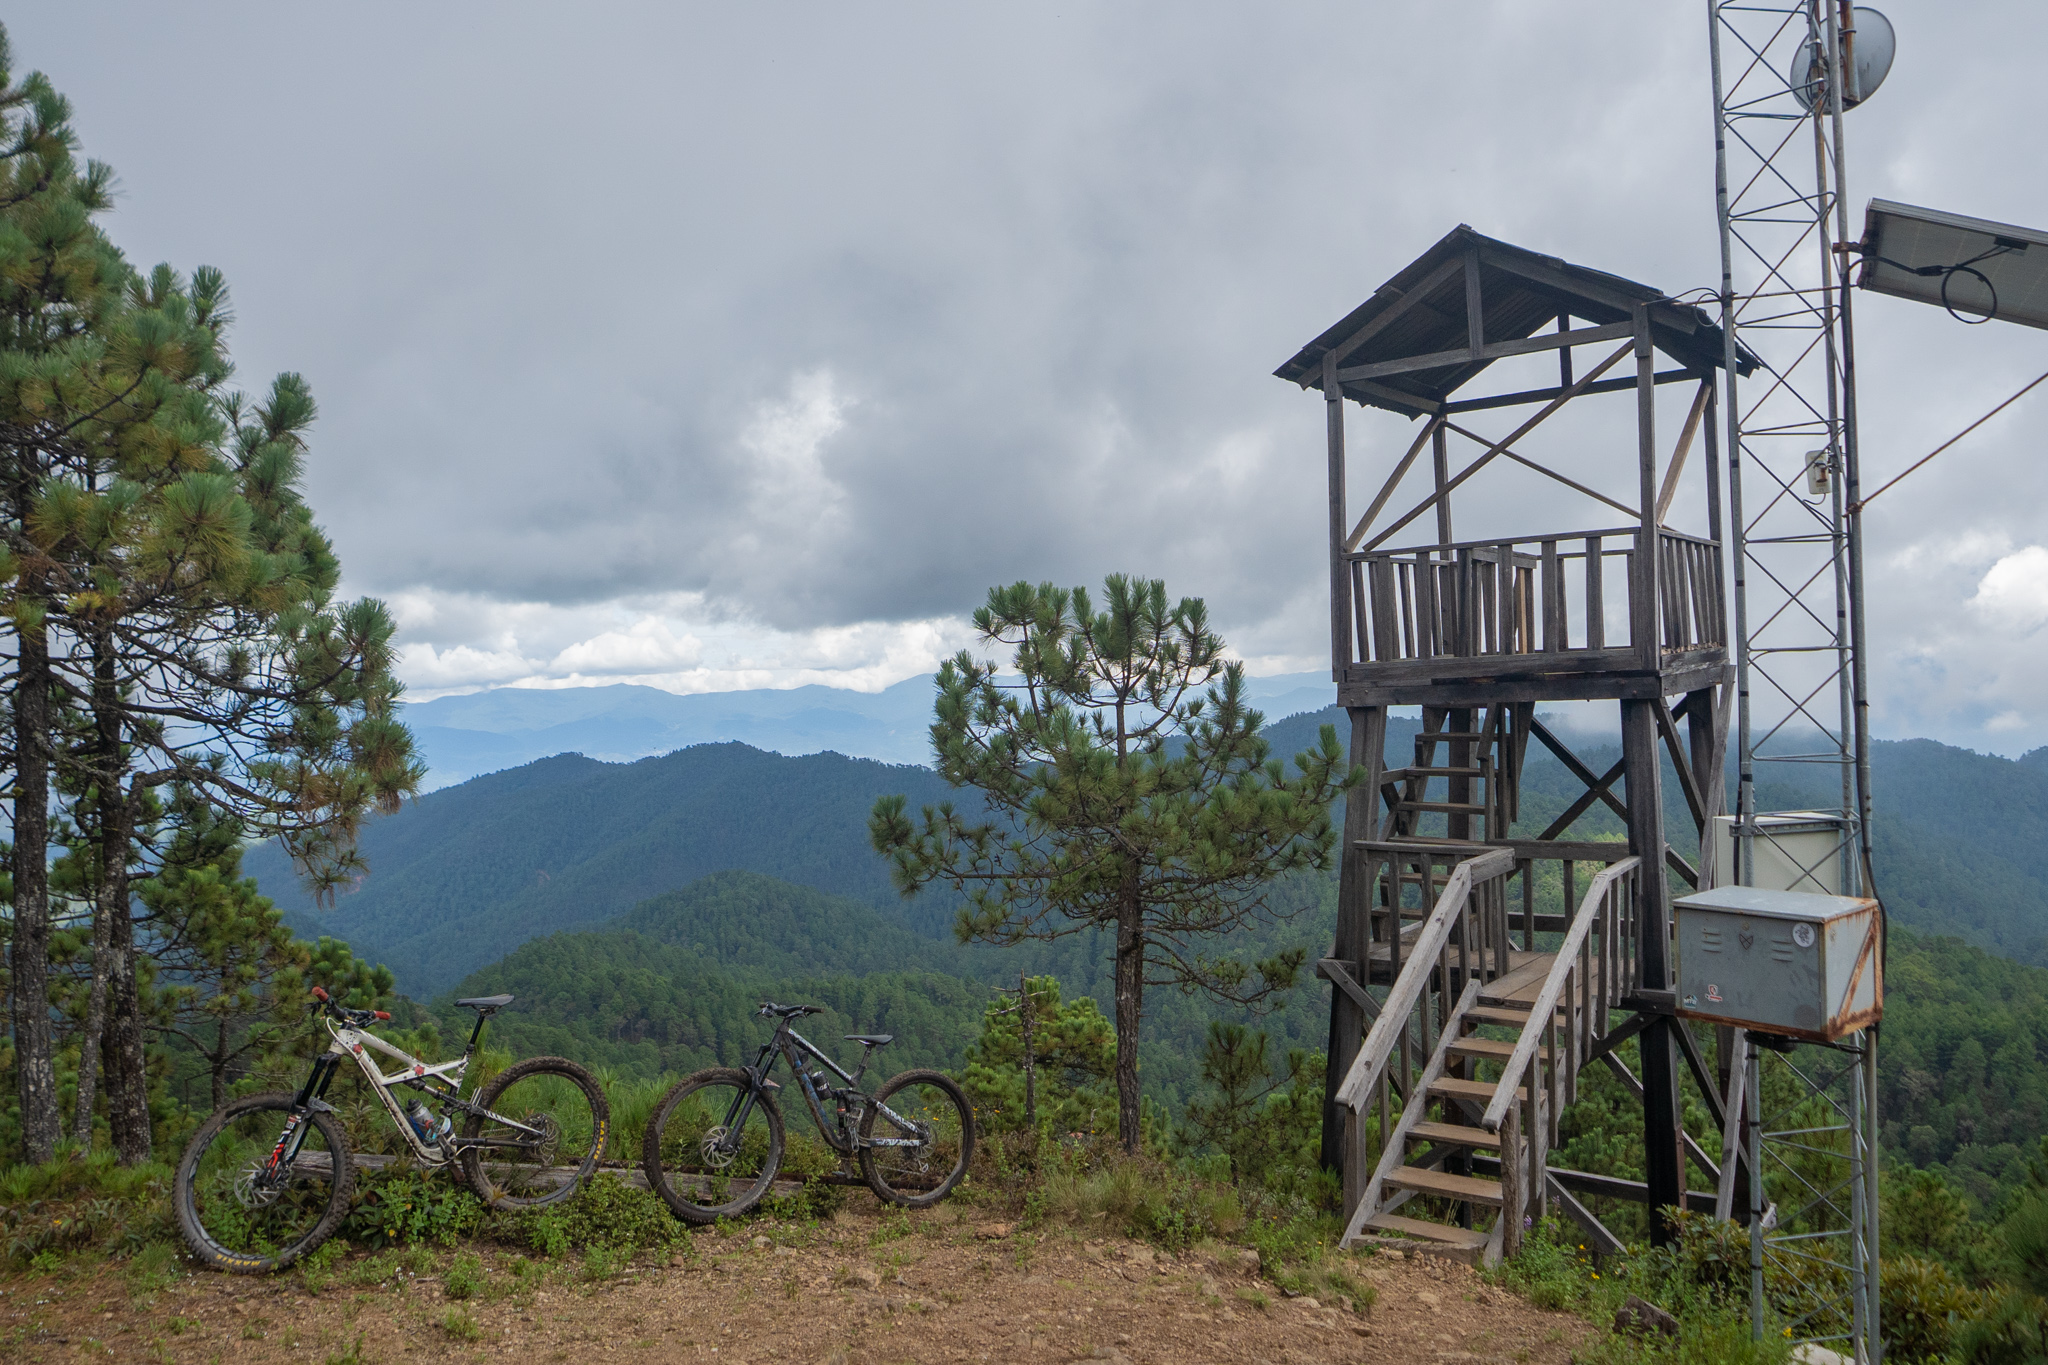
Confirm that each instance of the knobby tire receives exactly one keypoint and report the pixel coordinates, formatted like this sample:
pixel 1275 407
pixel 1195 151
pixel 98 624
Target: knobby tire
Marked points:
pixel 674 1158
pixel 580 1119
pixel 919 1177
pixel 256 1233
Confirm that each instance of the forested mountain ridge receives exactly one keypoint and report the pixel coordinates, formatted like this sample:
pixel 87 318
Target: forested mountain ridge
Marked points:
pixel 462 876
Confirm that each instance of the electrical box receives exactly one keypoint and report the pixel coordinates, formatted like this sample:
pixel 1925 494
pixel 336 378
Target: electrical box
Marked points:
pixel 1786 962
pixel 1795 850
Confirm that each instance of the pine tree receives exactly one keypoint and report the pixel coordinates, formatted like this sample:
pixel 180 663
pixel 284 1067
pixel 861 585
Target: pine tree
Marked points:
pixel 60 280
pixel 1124 799
pixel 166 583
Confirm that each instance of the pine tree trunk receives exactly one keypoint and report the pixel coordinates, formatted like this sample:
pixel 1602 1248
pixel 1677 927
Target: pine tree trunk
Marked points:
pixel 95 1020
pixel 107 720
pixel 127 1061
pixel 29 956
pixel 1130 1000
pixel 220 1062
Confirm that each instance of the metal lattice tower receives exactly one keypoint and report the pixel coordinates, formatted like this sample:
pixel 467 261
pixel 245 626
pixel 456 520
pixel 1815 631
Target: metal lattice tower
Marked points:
pixel 1781 173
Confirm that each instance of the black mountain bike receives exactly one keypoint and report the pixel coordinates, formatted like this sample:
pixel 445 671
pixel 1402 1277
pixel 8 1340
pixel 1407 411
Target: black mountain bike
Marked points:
pixel 715 1141
pixel 267 1178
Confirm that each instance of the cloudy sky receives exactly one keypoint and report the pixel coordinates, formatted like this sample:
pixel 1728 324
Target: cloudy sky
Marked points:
pixel 719 346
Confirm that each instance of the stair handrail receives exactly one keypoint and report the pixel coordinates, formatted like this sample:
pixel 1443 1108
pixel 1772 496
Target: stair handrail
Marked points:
pixel 1371 1062
pixel 1543 1014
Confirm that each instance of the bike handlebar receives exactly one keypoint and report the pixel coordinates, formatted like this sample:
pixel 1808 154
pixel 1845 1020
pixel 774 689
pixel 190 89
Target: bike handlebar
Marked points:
pixel 770 1010
pixel 328 1005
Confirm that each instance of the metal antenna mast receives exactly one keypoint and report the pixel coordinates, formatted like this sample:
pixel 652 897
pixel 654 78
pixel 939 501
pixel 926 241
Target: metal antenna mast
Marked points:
pixel 1783 75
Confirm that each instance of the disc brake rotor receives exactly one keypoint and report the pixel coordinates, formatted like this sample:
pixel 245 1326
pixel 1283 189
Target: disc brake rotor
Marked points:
pixel 712 1149
pixel 252 1191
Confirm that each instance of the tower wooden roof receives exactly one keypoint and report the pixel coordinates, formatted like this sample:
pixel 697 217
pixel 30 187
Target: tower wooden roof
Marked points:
pixel 1424 312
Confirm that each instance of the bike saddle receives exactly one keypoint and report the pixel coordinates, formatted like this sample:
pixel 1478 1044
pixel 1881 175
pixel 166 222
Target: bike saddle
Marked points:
pixel 486 1003
pixel 871 1039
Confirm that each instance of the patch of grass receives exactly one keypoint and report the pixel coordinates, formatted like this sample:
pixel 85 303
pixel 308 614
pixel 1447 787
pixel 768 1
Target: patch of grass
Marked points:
pixel 1691 1282
pixel 372 1270
pixel 1141 1197
pixel 605 1262
pixel 74 1205
pixel 316 1267
pixel 352 1354
pixel 1256 1299
pixel 890 1228
pixel 459 1324
pixel 464 1278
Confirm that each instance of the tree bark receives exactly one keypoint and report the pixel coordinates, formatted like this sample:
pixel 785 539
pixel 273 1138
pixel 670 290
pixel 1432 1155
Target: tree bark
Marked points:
pixel 107 721
pixel 126 1059
pixel 29 955
pixel 1130 1000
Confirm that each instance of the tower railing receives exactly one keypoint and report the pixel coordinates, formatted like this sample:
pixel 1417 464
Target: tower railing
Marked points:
pixel 1533 595
pixel 1464 939
pixel 1594 969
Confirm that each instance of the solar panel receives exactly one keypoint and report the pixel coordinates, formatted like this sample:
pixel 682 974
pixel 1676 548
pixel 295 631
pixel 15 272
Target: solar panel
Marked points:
pixel 1977 269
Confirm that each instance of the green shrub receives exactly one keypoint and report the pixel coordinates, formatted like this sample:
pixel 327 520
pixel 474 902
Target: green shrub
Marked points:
pixel 2013 1330
pixel 390 1208
pixel 605 1212
pixel 1921 1308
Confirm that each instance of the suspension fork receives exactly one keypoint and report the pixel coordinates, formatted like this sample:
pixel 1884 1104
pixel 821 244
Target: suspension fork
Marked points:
pixel 312 1093
pixel 742 1107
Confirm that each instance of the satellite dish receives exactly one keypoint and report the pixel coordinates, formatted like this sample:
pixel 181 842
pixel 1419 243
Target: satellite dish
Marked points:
pixel 1869 50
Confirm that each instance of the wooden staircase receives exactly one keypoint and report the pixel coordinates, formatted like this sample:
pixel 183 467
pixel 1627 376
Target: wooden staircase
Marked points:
pixel 1464 1159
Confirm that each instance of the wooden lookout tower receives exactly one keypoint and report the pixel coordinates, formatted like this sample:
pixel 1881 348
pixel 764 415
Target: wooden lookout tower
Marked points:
pixel 1459 1018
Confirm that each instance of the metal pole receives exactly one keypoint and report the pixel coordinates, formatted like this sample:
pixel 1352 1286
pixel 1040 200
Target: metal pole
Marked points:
pixel 1875 1286
pixel 1745 780
pixel 1753 1118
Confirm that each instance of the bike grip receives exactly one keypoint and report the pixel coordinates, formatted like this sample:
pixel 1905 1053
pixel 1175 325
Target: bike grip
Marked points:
pixel 381 1014
pixel 320 993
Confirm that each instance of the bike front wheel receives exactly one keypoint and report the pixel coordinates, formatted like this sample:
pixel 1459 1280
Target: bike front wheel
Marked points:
pixel 917 1136
pixel 542 1137
pixel 240 1213
pixel 713 1145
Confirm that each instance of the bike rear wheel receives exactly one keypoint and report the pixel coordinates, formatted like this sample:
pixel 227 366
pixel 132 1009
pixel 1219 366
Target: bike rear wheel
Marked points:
pixel 705 1157
pixel 238 1214
pixel 935 1127
pixel 547 1139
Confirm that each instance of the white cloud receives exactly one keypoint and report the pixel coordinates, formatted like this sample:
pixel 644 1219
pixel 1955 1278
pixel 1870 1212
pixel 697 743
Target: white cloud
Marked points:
pixel 2014 594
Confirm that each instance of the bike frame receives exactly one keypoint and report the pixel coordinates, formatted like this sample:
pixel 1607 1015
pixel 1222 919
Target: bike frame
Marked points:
pixel 442 1081
pixel 792 1047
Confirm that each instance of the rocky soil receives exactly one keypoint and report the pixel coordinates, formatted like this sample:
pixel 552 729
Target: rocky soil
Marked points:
pixel 859 1289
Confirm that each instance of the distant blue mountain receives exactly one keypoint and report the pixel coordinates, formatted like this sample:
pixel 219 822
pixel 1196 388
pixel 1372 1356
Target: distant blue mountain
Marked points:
pixel 485 732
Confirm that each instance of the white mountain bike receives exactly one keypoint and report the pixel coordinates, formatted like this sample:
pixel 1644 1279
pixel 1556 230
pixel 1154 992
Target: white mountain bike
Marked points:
pixel 267 1178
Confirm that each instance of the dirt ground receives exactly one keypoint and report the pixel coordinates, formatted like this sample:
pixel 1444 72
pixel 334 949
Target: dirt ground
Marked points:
pixel 860 1289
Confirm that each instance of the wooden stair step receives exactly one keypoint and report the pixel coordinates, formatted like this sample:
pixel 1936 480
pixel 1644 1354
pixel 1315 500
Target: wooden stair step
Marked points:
pixel 1453 1134
pixel 1446 807
pixel 1441 772
pixel 1440 736
pixel 1528 976
pixel 1503 1015
pixel 1470 1188
pixel 1451 1088
pixel 1433 1232
pixel 1479 1047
